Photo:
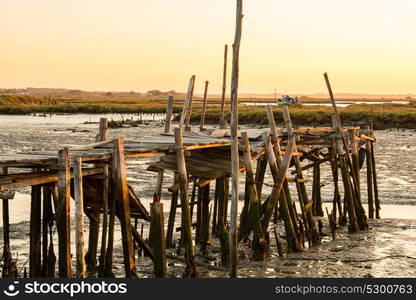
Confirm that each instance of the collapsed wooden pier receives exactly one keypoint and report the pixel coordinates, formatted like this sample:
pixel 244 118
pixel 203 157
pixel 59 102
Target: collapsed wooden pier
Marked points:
pixel 94 177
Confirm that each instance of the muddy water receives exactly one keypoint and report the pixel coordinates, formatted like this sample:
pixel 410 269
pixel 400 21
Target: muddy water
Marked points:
pixel 374 253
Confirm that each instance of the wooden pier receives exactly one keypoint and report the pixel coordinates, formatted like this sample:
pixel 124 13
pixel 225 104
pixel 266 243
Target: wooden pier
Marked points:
pixel 94 177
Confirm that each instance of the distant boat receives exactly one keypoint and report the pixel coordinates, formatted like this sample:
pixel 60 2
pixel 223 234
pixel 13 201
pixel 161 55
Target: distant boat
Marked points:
pixel 288 99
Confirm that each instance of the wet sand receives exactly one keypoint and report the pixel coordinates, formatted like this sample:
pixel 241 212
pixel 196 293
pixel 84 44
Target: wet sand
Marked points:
pixel 373 253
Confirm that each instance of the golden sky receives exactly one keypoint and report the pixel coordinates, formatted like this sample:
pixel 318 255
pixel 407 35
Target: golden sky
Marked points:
pixel 366 46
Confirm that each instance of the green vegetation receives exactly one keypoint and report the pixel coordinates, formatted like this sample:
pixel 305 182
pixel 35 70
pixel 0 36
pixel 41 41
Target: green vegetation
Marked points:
pixel 383 115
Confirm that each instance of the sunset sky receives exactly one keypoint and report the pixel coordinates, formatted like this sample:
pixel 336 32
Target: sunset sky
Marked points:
pixel 365 46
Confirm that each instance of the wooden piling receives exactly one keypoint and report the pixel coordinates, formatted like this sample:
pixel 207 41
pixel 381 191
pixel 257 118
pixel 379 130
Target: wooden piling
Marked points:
pixel 316 191
pixel 35 232
pixel 376 198
pixel 122 201
pixel 47 221
pixel 279 174
pixel 223 124
pixel 93 232
pixel 158 189
pixel 158 240
pixel 108 266
pixel 235 170
pixel 348 191
pixel 259 245
pixel 169 110
pixel 222 232
pixel 368 159
pixel 172 214
pixel 62 213
pixel 204 232
pixel 79 218
pixel 7 255
pixel 204 104
pixel 103 252
pixel 191 267
pixel 313 233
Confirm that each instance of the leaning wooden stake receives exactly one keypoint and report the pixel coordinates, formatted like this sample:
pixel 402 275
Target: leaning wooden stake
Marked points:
pixel 223 124
pixel 191 267
pixel 62 214
pixel 204 106
pixel 122 200
pixel 235 172
pixel 188 103
pixel 79 218
pixel 169 110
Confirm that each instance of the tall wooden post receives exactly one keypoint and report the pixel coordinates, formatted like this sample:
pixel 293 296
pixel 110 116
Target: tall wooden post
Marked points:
pixel 79 217
pixel 235 170
pixel 223 125
pixel 122 201
pixel 169 110
pixel 62 214
pixel 204 106
pixel 191 267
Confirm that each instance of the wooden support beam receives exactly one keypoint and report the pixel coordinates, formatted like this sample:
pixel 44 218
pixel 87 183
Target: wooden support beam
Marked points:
pixel 223 124
pixel 169 111
pixel 191 267
pixel 122 201
pixel 62 212
pixel 79 218
pixel 204 105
